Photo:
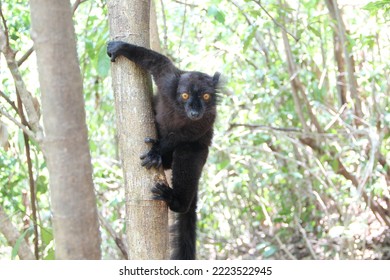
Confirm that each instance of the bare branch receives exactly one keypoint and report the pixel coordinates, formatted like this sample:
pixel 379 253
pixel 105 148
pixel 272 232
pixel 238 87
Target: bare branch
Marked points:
pixel 165 26
pixel 9 101
pixel 288 129
pixel 186 4
pixel 275 21
pixel 182 29
pixel 6 37
pixel 284 248
pixel 118 241
pixel 307 241
pixel 25 56
pixel 25 95
pixel 76 5
pixel 21 126
pixel 33 199
pixel 258 36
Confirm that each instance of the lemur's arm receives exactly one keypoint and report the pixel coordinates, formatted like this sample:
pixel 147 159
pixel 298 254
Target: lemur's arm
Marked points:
pixel 157 64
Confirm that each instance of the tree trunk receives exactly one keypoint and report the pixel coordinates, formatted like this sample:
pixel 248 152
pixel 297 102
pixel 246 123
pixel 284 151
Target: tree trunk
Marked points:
pixel 147 220
pixel 65 145
pixel 154 36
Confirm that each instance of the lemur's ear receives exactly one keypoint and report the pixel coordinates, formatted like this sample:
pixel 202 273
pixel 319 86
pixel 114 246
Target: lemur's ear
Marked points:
pixel 216 78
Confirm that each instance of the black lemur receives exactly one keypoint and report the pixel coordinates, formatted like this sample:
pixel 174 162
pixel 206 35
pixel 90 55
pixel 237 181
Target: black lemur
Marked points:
pixel 185 110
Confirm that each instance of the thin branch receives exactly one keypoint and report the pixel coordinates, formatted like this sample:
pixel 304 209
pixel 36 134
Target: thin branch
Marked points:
pixel 9 101
pixel 275 21
pixel 284 248
pixel 77 4
pixel 6 39
pixel 182 29
pixel 297 87
pixel 258 36
pixel 21 126
pixel 165 29
pixel 293 81
pixel 118 241
pixel 307 241
pixel 385 166
pixel 186 4
pixel 296 131
pixel 240 56
pixel 33 199
pixel 375 207
pixel 25 95
pixel 286 129
pixel 25 56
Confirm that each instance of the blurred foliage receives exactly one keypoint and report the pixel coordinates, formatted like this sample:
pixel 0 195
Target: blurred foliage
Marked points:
pixel 271 188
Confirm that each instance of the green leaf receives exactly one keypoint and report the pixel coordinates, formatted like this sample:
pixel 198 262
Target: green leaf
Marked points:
pixel 49 252
pixel 46 235
pixel 103 63
pixel 248 40
pixel 223 164
pixel 216 13
pixel 335 165
pixel 42 184
pixel 314 31
pixel 15 249
pixel 374 7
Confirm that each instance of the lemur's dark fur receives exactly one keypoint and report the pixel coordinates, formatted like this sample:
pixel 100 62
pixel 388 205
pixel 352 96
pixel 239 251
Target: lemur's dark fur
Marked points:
pixel 185 112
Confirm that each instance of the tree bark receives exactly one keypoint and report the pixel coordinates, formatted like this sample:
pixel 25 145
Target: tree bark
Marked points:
pixel 65 145
pixel 147 220
pixel 155 43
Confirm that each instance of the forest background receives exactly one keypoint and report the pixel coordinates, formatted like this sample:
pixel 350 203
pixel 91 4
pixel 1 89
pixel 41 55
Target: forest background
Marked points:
pixel 299 167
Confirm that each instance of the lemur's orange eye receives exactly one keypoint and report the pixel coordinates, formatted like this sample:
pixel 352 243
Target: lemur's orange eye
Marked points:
pixel 185 96
pixel 206 96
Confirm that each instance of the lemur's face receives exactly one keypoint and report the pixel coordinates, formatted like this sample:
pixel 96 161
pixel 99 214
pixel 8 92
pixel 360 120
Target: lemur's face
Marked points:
pixel 196 94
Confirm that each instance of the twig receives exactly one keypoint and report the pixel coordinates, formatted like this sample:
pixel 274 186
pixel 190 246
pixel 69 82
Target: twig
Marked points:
pixel 25 56
pixel 336 117
pixel 375 207
pixel 118 241
pixel 293 81
pixel 76 5
pixel 25 95
pixel 284 248
pixel 6 39
pixel 10 102
pixel 297 87
pixel 165 26
pixel 275 21
pixel 182 29
pixel 258 36
pixel 307 241
pixel 33 200
pixel 24 128
pixel 287 129
pixel 186 4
